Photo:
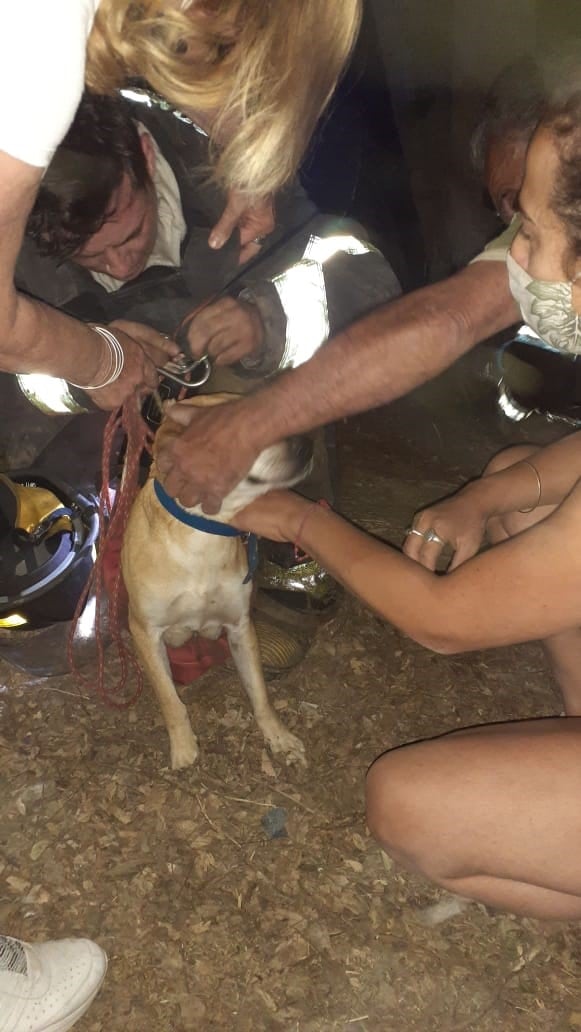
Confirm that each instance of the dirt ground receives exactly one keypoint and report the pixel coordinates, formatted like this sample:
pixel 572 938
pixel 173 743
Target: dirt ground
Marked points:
pixel 208 922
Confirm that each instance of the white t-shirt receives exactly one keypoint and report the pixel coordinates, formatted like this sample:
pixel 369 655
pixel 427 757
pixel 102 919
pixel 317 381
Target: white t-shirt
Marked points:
pixel 42 73
pixel 497 249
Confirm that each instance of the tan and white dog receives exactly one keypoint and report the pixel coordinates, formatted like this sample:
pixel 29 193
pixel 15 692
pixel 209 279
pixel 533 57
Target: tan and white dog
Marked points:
pixel 181 581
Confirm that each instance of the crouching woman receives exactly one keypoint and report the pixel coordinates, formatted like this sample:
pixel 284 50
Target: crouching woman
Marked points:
pixel 492 812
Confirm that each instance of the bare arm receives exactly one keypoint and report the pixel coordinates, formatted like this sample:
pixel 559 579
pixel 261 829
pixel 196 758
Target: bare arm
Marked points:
pixel 524 589
pixel 516 487
pixel 29 330
pixel 394 349
pixel 389 352
pixel 461 520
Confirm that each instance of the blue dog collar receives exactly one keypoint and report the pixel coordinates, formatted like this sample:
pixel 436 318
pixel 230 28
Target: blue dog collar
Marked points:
pixel 209 527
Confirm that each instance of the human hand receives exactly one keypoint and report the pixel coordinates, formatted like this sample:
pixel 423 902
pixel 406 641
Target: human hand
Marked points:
pixel 143 349
pixel 157 346
pixel 459 522
pixel 254 219
pixel 277 515
pixel 227 331
pixel 213 452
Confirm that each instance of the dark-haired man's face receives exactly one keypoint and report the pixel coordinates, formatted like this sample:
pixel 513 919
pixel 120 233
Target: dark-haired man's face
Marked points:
pixel 126 239
pixel 504 171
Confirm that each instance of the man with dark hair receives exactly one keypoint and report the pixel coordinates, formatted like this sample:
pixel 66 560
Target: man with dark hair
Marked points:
pixel 115 202
pixel 120 230
pixel 74 199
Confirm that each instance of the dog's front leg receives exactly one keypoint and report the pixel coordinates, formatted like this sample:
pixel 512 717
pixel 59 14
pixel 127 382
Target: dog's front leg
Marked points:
pixel 246 655
pixel 153 658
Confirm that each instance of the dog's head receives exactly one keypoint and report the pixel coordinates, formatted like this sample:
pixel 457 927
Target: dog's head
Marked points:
pixel 279 466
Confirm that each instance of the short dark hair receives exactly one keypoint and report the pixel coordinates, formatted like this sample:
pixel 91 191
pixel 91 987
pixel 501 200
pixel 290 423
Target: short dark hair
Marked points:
pixel 512 107
pixel 75 193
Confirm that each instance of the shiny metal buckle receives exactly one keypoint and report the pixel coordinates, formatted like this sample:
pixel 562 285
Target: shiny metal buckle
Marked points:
pixel 181 370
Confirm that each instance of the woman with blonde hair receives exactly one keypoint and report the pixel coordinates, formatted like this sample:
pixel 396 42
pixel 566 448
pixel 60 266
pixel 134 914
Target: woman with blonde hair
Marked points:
pixel 256 74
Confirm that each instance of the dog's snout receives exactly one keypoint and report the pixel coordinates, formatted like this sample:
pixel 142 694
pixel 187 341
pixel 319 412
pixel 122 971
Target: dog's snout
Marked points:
pixel 302 450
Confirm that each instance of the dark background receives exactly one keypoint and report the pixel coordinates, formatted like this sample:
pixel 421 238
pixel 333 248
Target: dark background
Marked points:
pixel 393 150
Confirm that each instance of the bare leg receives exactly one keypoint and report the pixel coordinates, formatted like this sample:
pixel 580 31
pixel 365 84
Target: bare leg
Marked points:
pixel 490 813
pixel 563 650
pixel 246 655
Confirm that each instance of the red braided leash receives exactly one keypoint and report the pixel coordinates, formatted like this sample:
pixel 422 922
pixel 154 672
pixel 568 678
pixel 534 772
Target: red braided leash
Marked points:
pixel 112 524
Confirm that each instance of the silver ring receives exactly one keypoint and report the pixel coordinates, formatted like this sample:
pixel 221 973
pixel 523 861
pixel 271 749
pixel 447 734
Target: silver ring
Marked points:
pixel 412 530
pixel 258 241
pixel 430 535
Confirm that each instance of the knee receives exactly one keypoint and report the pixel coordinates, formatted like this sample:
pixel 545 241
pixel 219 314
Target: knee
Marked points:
pixel 509 457
pixel 414 810
pixel 395 798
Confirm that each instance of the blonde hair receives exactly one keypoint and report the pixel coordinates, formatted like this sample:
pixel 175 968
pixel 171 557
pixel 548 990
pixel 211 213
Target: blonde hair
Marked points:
pixel 262 72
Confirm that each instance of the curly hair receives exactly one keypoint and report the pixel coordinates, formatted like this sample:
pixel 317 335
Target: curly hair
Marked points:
pixel 562 118
pixel 75 194
pixel 257 73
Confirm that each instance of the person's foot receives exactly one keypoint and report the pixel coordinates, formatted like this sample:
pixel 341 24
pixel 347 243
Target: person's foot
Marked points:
pixel 47 987
pixel 293 600
pixel 294 590
pixel 281 648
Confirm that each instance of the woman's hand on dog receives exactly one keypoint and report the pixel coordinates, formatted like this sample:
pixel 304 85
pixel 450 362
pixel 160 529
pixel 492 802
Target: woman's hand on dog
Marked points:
pixel 277 516
pixel 227 331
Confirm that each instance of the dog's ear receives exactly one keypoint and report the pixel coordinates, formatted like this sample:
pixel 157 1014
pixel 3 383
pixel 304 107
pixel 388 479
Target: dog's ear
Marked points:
pixel 167 428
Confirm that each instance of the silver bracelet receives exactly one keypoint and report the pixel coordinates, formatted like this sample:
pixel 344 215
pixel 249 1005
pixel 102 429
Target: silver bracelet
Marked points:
pixel 116 360
pixel 526 462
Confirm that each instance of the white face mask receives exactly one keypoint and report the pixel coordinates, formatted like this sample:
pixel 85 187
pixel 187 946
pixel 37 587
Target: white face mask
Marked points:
pixel 547 307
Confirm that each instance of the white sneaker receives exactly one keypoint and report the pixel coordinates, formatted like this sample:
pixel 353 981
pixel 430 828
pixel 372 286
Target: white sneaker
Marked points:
pixel 47 987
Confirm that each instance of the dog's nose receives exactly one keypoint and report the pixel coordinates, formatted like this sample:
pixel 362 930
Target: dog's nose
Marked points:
pixel 301 449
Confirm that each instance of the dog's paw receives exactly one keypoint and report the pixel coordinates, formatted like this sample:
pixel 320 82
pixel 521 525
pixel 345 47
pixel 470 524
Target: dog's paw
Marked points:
pixel 184 751
pixel 283 741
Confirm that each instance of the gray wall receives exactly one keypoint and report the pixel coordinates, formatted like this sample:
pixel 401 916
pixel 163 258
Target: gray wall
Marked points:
pixel 440 57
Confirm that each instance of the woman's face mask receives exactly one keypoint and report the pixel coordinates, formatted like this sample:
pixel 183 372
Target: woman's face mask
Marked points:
pixel 547 307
